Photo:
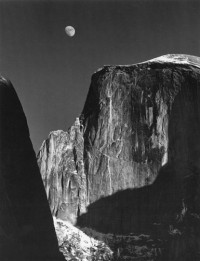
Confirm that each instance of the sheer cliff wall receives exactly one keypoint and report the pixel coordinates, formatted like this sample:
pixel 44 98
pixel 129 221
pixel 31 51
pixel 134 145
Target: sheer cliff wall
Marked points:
pixel 137 120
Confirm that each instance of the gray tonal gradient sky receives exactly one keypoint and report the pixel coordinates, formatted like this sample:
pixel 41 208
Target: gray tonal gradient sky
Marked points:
pixel 51 72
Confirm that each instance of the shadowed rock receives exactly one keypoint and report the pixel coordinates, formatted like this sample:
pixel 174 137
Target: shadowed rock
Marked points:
pixel 26 226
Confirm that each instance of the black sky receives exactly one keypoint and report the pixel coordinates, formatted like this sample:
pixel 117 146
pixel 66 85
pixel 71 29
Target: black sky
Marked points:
pixel 51 72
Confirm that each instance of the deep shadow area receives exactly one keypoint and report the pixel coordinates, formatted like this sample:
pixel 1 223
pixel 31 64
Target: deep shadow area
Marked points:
pixel 136 210
pixel 174 194
pixel 26 227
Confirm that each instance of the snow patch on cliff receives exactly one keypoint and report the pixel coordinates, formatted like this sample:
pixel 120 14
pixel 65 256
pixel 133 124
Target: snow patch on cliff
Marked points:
pixel 167 58
pixel 176 59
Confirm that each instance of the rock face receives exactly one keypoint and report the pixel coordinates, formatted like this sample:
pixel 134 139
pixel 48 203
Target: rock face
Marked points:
pixel 137 141
pixel 62 167
pixel 26 226
pixel 76 245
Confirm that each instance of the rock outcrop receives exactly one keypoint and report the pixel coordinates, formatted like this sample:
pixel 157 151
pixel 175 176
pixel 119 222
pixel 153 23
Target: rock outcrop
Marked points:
pixel 137 142
pixel 76 245
pixel 62 168
pixel 26 225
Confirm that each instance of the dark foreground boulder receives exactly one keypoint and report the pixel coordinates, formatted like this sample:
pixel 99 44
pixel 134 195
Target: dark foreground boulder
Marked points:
pixel 26 226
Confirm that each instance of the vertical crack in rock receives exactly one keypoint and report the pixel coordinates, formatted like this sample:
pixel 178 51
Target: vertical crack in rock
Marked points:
pixel 109 175
pixel 110 136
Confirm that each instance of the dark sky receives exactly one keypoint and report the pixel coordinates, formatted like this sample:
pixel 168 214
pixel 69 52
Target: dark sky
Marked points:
pixel 51 72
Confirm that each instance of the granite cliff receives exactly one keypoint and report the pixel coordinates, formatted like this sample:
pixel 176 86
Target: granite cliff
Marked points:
pixel 121 140
pixel 26 226
pixel 131 161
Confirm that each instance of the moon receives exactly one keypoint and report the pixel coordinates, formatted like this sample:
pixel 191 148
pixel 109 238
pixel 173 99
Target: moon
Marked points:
pixel 70 31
